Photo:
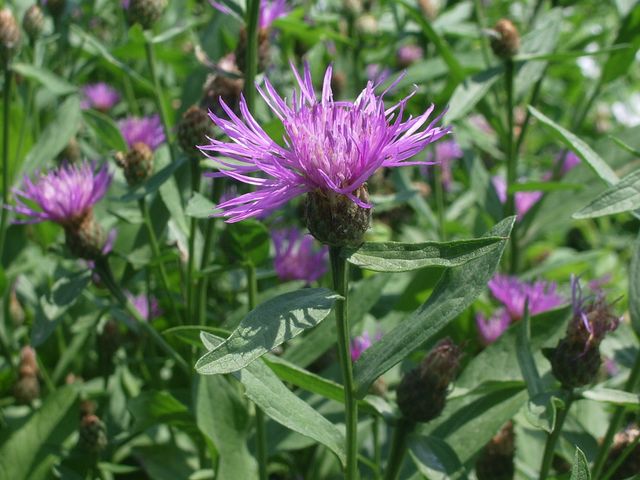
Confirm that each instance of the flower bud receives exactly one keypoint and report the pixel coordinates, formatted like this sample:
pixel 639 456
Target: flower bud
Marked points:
pixel 429 8
pixel 145 12
pixel 16 312
pixel 9 35
pixel 422 392
pixel 85 239
pixel 137 163
pixel 263 49
pixel 193 130
pixel 496 459
pixel 335 219
pixel 506 40
pixel 93 434
pixel 27 388
pixel 631 464
pixel 33 22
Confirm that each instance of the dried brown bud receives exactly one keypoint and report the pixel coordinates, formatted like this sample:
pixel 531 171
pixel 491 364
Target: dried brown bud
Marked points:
pixel 137 163
pixel 9 35
pixel 496 461
pixel 193 130
pixel 145 12
pixel 33 22
pixel 506 41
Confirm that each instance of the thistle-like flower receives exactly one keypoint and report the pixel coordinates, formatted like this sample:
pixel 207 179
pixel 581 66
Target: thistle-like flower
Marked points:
pixel 331 149
pixel 490 329
pixel 147 130
pixel 513 293
pixel 296 258
pixel 99 96
pixel 66 196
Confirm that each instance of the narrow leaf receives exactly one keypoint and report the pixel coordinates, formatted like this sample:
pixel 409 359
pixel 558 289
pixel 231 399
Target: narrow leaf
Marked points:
pixel 634 287
pixel 51 81
pixel 615 397
pixel 580 468
pixel 471 91
pixel 618 63
pixel 105 129
pixel 624 196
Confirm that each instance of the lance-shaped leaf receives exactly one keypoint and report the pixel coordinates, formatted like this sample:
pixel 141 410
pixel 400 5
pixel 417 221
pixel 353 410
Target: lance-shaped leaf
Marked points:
pixel 404 257
pixel 580 469
pixel 624 196
pixel 634 287
pixel 269 325
pixel 456 290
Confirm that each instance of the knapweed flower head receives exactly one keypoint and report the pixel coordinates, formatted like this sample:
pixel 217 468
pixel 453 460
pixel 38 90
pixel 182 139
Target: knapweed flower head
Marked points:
pixel 148 307
pixel 524 200
pixel 513 293
pixel 592 315
pixel 490 329
pixel 296 258
pixel 65 195
pixel 330 147
pixel 99 96
pixel 147 130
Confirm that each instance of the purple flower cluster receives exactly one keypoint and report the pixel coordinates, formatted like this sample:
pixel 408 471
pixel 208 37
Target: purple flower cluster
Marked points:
pixel 99 96
pixel 65 195
pixel 330 146
pixel 147 130
pixel 296 258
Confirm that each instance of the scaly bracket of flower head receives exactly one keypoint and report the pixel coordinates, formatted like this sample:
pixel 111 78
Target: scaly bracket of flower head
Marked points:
pixel 143 135
pixel 330 150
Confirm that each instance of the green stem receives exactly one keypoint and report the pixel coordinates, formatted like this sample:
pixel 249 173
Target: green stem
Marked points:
pixel 340 273
pixel 106 275
pixel 158 97
pixel 398 448
pixel 195 187
pixel 620 460
pixel 616 421
pixel 5 155
pixel 155 248
pixel 512 159
pixel 261 433
pixel 552 439
pixel 377 451
pixel 251 68
pixel 439 192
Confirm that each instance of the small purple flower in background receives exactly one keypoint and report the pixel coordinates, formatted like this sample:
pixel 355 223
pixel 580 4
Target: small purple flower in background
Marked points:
pixel 446 152
pixel 407 55
pixel 490 329
pixel 513 293
pixel 360 343
pixel 270 11
pixel 147 307
pixel 331 147
pixel 65 195
pixel 571 160
pixel 296 258
pixel 376 73
pixel 147 130
pixel 524 200
pixel 99 96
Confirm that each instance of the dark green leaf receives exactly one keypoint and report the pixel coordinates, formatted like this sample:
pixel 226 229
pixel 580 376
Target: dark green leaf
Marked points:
pixel 624 196
pixel 618 63
pixel 246 241
pixel 627 148
pixel 105 129
pixel 152 408
pixel 154 182
pixel 471 91
pixel 543 187
pixel 269 325
pixel 435 458
pixel 457 289
pixel 51 81
pixel 200 206
pixel 634 287
pixel 580 468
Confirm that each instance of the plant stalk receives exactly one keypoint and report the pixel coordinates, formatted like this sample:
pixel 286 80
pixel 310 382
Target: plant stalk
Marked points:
pixel 251 68
pixel 398 448
pixel 552 439
pixel 512 162
pixel 439 192
pixel 8 77
pixel 340 273
pixel 195 188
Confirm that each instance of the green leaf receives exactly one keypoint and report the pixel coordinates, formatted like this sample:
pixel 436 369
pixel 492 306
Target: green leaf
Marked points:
pixel 30 446
pixel 580 468
pixel 626 147
pixel 200 206
pixel 269 325
pixel 435 458
pixel 618 63
pixel 586 154
pixel 105 129
pixel 190 334
pixel 152 408
pixel 403 257
pixel 624 196
pixel 51 81
pixel 543 187
pixel 615 397
pixel 246 241
pixel 222 417
pixel 456 290
pixel 154 182
pixel 634 287
pixel 56 135
pixel 471 91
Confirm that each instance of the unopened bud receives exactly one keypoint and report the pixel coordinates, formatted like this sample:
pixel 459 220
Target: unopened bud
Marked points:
pixel 9 35
pixel 631 464
pixel 27 388
pixel 145 12
pixel 137 163
pixel 16 312
pixel 193 130
pixel 367 24
pixel 225 87
pixel 496 461
pixel 93 434
pixel 33 22
pixel 506 40
pixel 86 238
pixel 335 220
pixel 429 8
pixel 422 392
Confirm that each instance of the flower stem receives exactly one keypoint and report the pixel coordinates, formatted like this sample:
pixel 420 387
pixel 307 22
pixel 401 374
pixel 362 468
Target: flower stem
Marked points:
pixel 5 155
pixel 251 68
pixel 398 448
pixel 104 270
pixel 340 273
pixel 552 439
pixel 377 452
pixel 157 91
pixel 512 159
pixel 195 188
pixel 439 191
pixel 614 424
pixel 155 248
pixel 261 432
pixel 620 460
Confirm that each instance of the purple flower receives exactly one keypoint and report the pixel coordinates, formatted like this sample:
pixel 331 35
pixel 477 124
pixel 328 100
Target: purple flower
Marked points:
pixel 490 329
pixel 296 259
pixel 359 345
pixel 446 152
pixel 99 96
pixel 408 55
pixel 513 293
pixel 147 307
pixel 330 146
pixel 147 130
pixel 524 200
pixel 376 73
pixel 571 160
pixel 65 195
pixel 270 11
